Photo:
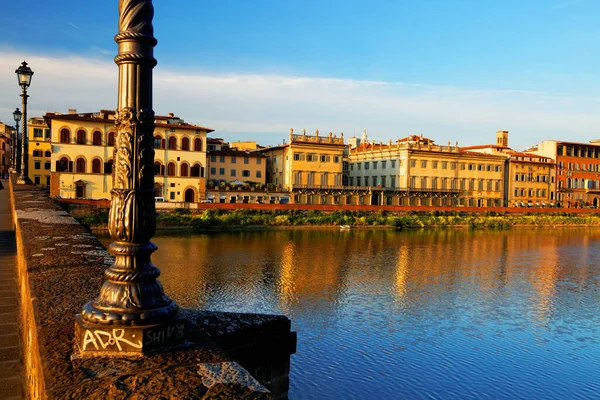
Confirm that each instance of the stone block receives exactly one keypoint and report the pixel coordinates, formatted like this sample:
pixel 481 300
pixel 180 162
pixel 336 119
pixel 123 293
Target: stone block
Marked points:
pixel 116 339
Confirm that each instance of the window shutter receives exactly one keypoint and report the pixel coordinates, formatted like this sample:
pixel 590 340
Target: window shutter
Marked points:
pixel 70 166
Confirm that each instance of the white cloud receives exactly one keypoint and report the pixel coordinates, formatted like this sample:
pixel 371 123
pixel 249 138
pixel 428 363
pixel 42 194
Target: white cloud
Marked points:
pixel 264 107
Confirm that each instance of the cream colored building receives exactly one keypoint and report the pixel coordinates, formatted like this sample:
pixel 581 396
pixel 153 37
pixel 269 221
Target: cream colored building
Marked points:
pixel 6 147
pixel 416 171
pixel 40 151
pixel 230 165
pixel 309 167
pixel 82 156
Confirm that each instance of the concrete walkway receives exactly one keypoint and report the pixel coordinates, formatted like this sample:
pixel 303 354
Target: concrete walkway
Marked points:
pixel 10 348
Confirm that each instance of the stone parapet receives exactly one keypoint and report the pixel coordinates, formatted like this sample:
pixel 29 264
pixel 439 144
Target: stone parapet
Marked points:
pixel 60 267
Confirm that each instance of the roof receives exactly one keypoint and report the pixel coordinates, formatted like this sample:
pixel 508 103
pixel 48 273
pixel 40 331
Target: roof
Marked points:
pixel 237 153
pixel 485 146
pixel 105 116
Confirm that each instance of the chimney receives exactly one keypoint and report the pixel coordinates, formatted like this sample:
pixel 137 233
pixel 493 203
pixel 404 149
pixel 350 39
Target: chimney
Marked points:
pixel 72 111
pixel 171 115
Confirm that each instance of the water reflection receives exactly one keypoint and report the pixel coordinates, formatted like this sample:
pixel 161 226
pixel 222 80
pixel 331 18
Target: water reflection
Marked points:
pixel 417 314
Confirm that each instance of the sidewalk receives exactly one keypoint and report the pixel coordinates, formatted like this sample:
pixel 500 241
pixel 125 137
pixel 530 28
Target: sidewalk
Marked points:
pixel 10 348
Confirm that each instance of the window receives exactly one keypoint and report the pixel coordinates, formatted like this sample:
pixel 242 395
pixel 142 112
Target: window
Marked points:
pixel 434 164
pixel 47 134
pixel 233 159
pixel 366 165
pixel 38 153
pixel 233 172
pixel 462 165
pixel 172 143
pixel 452 165
pixel 383 164
pixel 81 139
pixel 258 160
pixel 157 170
pixel 246 173
pixel 392 181
pixel 172 196
pixel 221 171
pixel 65 136
pixel 184 170
pixel 358 165
pixel 258 174
pixel 444 164
pixel 213 171
pixel 336 159
pixel 185 144
pixel 382 181
pixel 424 164
pixel 47 153
pixel 358 181
pixel 111 140
pixel 213 158
pixel 221 158
pixel 96 166
pixel 374 164
pixel 197 144
pixel 37 165
pixel 64 165
pixel 157 142
pixel 38 133
pixel 80 165
pixel 97 138
pixel 246 160
pixel 108 167
pixel 393 162
pixel 47 165
pixel 171 169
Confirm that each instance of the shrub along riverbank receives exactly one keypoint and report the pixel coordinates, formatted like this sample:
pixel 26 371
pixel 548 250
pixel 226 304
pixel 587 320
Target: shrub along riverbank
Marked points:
pixel 214 218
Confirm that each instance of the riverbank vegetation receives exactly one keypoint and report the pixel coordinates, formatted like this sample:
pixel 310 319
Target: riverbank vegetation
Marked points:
pixel 215 218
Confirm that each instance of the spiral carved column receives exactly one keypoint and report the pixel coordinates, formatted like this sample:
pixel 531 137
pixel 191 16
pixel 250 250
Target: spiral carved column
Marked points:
pixel 132 312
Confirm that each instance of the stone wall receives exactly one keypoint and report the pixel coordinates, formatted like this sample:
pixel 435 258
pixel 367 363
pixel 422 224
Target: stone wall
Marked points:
pixel 60 268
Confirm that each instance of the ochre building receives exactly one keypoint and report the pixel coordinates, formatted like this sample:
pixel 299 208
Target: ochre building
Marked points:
pixel 82 156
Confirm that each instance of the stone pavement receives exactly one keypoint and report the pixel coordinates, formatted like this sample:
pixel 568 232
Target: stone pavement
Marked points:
pixel 10 349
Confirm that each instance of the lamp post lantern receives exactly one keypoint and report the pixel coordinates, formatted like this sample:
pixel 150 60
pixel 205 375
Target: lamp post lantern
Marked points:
pixel 132 306
pixel 24 74
pixel 16 145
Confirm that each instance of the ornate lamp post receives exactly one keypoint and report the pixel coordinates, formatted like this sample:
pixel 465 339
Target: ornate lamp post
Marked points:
pixel 16 147
pixel 24 74
pixel 132 312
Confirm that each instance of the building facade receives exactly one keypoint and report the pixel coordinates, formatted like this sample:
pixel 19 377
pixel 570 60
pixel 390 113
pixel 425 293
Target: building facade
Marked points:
pixel 309 167
pixel 231 165
pixel 416 171
pixel 40 151
pixel 82 156
pixel 577 171
pixel 6 148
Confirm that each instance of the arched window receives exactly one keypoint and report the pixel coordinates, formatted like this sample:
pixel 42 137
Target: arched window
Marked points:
pixel 197 144
pixel 64 165
pixel 184 170
pixel 96 166
pixel 158 143
pixel 185 144
pixel 97 138
pixel 81 136
pixel 172 143
pixel 171 169
pixel 196 170
pixel 111 138
pixel 158 169
pixel 80 165
pixel 65 136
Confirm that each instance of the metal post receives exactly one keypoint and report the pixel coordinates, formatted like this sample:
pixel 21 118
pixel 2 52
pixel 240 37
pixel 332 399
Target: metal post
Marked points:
pixel 132 302
pixel 24 177
pixel 17 151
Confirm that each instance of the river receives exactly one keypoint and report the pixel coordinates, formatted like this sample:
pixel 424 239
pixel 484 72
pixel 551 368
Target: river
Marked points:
pixel 383 314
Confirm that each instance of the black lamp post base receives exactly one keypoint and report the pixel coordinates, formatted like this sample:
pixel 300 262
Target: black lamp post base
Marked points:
pixel 106 340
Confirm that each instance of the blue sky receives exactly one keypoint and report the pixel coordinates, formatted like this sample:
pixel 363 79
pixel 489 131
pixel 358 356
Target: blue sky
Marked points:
pixel 451 70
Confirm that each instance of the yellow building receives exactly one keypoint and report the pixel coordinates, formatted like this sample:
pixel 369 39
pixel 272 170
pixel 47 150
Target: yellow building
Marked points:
pixel 230 165
pixel 308 167
pixel 40 151
pixel 82 156
pixel 530 179
pixel 416 171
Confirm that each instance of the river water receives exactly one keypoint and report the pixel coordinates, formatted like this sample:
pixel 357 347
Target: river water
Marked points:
pixel 383 314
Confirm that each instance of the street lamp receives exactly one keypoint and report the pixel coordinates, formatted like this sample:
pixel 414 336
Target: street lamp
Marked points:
pixel 16 147
pixel 24 74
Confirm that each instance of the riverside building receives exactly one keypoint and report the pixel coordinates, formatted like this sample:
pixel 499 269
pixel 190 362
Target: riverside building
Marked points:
pixel 40 151
pixel 530 177
pixel 309 167
pixel 415 171
pixel 577 171
pixel 82 156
